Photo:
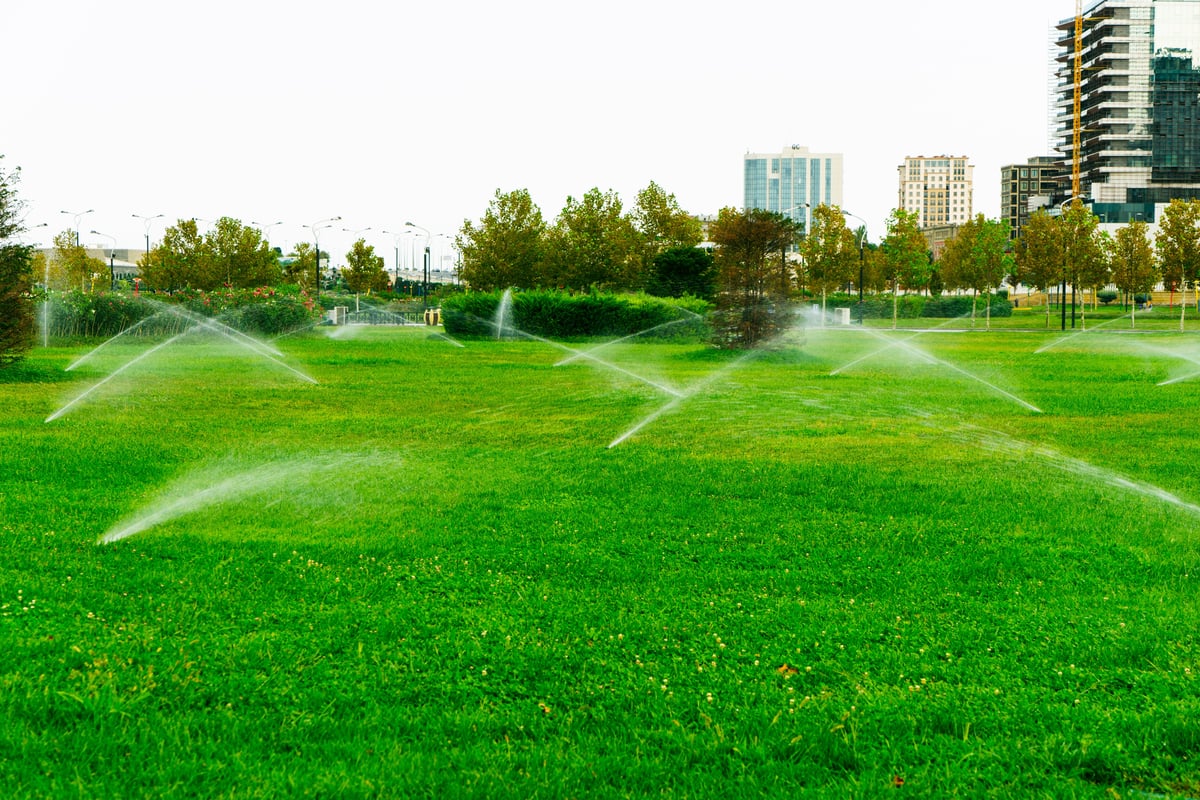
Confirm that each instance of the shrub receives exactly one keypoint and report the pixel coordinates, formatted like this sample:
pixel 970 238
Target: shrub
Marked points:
pixel 960 306
pixel 879 306
pixel 77 313
pixel 1106 296
pixel 264 310
pixel 563 316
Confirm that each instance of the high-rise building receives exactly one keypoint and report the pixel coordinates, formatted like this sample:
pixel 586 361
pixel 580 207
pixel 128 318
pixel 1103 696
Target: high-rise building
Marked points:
pixel 1027 187
pixel 939 190
pixel 793 182
pixel 1139 124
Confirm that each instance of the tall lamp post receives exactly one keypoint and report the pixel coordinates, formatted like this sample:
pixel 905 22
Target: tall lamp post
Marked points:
pixel 803 232
pixel 112 272
pixel 1062 294
pixel 316 228
pixel 862 235
pixel 77 216
pixel 396 237
pixel 425 267
pixel 147 221
pixel 266 229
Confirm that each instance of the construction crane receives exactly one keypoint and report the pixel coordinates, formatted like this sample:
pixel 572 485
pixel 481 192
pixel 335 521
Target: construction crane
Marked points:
pixel 1077 126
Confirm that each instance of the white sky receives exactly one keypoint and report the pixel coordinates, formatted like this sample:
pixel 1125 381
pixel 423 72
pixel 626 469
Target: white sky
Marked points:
pixel 385 113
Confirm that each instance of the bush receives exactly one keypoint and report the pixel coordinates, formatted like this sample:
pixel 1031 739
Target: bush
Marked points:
pixel 563 316
pixel 77 313
pixel 266 311
pixel 879 306
pixel 960 306
pixel 1106 296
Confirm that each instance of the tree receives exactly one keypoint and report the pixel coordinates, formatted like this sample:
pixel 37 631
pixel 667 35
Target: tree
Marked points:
pixel 231 254
pixel 1132 258
pixel 662 223
pixel 682 270
pixel 239 257
pixel 364 270
pixel 72 260
pixel 658 217
pixel 1084 259
pixel 300 265
pixel 507 248
pixel 1178 246
pixel 749 305
pixel 593 244
pixel 977 258
pixel 905 255
pixel 1039 254
pixel 830 251
pixel 16 281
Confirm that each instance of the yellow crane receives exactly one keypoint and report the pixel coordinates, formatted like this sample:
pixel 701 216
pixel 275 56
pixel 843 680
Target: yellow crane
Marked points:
pixel 1077 126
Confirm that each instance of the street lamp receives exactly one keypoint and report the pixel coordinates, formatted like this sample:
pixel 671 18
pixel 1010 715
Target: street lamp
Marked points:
pixel 783 270
pixel 77 217
pixel 112 272
pixel 396 237
pixel 266 229
pixel 1062 293
pixel 147 220
pixel 316 227
pixel 862 235
pixel 425 268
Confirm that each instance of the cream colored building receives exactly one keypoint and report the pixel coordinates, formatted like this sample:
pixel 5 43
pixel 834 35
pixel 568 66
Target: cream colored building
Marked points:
pixel 938 189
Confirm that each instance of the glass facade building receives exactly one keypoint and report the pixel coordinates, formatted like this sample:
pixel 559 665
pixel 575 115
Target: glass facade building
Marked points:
pixel 792 182
pixel 1139 105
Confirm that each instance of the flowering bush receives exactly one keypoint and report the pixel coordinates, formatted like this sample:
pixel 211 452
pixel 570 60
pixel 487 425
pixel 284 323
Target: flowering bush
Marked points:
pixel 264 310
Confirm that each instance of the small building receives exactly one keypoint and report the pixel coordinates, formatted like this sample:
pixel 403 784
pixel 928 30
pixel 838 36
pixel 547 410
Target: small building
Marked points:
pixel 1028 186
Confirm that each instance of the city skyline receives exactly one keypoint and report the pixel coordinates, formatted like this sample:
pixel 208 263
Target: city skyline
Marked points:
pixel 294 113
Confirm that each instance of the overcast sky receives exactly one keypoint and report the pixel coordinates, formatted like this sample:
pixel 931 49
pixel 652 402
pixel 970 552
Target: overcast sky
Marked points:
pixel 385 113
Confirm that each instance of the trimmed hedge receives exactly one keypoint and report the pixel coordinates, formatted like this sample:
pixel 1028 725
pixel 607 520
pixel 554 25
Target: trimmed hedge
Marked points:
pixel 561 315
pixel 912 306
pixel 959 306
pixel 266 311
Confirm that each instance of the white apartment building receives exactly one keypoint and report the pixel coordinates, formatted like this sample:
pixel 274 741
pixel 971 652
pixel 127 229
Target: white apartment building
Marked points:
pixel 938 189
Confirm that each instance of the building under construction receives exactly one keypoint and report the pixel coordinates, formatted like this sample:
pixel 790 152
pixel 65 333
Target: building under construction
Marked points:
pixel 1137 128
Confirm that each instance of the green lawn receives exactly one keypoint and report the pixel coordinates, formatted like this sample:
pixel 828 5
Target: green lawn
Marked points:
pixel 429 574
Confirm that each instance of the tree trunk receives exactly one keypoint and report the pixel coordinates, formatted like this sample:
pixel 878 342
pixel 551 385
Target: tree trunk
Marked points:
pixel 988 310
pixel 822 306
pixel 895 301
pixel 974 302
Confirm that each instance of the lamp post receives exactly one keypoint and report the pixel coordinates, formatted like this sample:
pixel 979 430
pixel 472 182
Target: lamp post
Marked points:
pixel 783 279
pixel 147 221
pixel 316 227
pixel 396 237
pixel 112 272
pixel 266 229
pixel 1062 293
pixel 862 235
pixel 77 216
pixel 425 266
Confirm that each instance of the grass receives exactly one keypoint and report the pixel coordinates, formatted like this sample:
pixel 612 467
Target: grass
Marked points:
pixel 429 574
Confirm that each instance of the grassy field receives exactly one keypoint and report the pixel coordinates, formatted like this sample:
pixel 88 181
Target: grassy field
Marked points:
pixel 855 564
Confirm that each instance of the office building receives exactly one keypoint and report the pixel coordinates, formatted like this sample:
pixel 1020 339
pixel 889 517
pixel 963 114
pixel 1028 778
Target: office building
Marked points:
pixel 1139 126
pixel 939 190
pixel 793 182
pixel 1026 187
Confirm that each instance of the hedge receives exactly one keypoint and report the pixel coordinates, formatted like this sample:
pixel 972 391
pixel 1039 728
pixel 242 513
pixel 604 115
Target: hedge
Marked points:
pixel 561 315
